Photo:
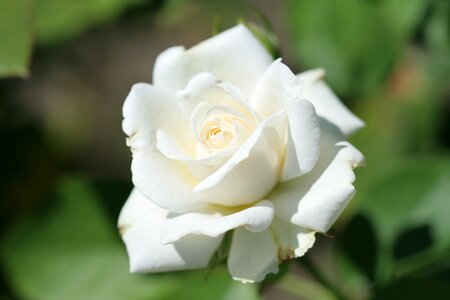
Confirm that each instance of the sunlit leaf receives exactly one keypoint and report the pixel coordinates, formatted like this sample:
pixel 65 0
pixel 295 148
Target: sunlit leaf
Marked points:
pixel 15 37
pixel 58 20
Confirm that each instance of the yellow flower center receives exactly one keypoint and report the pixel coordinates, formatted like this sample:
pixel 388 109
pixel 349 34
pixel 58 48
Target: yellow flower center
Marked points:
pixel 218 133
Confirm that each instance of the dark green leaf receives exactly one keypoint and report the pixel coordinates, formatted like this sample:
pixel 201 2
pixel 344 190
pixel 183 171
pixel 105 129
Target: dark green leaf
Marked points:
pixel 360 244
pixel 410 194
pixel 415 289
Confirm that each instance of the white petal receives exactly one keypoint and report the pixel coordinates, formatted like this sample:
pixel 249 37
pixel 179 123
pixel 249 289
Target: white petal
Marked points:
pixel 252 255
pixel 277 88
pixel 327 104
pixel 140 224
pixel 315 200
pixel 148 108
pixel 255 219
pixel 166 182
pixel 253 169
pixel 205 87
pixel 205 110
pixel 169 147
pixel 200 168
pixel 280 89
pixel 292 240
pixel 234 55
pixel 303 145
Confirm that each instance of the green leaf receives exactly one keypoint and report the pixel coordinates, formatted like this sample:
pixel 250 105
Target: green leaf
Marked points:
pixel 356 41
pixel 70 250
pixel 15 37
pixel 402 16
pixel 437 34
pixel 401 231
pixel 360 244
pixel 411 197
pixel 415 289
pixel 59 20
pixel 216 285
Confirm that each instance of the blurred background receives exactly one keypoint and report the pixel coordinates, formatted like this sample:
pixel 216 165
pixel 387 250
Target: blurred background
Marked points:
pixel 66 68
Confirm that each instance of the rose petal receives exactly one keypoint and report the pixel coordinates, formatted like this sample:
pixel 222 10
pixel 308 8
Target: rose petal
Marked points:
pixel 234 55
pixel 277 88
pixel 280 89
pixel 159 178
pixel 292 240
pixel 327 105
pixel 169 147
pixel 255 219
pixel 235 183
pixel 303 146
pixel 140 224
pixel 205 87
pixel 315 200
pixel 205 110
pixel 200 168
pixel 142 116
pixel 252 255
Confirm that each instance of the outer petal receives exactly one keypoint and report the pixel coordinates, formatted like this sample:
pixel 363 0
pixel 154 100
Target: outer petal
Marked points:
pixel 315 200
pixel 327 105
pixel 235 183
pixel 140 224
pixel 165 181
pixel 303 145
pixel 292 240
pixel 234 55
pixel 255 219
pixel 280 89
pixel 252 255
pixel 277 88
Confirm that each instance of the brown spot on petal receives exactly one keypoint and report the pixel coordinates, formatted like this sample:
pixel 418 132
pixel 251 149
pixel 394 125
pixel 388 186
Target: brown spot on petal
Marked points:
pixel 355 165
pixel 123 229
pixel 131 135
pixel 285 253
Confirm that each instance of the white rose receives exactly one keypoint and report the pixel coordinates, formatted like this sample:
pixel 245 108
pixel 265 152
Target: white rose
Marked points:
pixel 228 139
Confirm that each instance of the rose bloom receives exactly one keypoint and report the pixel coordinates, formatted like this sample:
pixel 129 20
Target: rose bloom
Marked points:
pixel 227 139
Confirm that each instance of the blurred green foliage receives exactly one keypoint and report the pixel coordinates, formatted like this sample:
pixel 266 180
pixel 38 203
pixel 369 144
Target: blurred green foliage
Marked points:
pixel 388 59
pixel 59 20
pixel 401 231
pixel 85 259
pixel 15 37
pixel 356 41
pixel 48 22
